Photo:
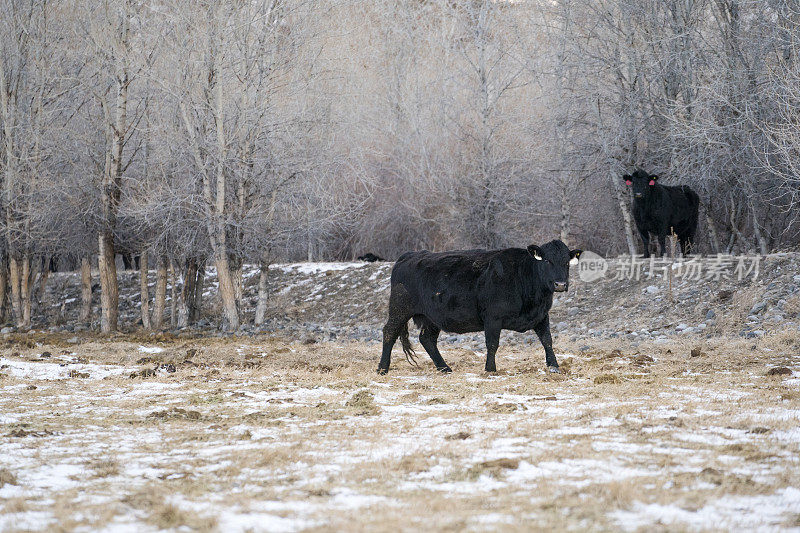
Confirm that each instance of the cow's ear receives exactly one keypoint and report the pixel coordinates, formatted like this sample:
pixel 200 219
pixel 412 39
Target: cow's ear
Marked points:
pixel 627 178
pixel 535 251
pixel 574 256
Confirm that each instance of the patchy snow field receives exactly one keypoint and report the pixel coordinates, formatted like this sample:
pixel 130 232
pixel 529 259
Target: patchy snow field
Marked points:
pixel 267 435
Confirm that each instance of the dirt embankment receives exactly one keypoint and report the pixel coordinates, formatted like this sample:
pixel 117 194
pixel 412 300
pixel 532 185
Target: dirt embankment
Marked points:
pixel 324 301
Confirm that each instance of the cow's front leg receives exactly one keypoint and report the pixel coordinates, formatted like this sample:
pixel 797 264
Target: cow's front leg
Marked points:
pixel 662 243
pixel 542 329
pixel 645 242
pixel 492 334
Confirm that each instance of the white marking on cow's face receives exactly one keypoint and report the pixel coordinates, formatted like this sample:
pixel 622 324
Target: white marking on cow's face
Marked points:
pixel 537 256
pixel 573 261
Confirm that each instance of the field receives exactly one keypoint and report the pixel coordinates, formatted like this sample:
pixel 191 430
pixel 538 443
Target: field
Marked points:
pixel 277 434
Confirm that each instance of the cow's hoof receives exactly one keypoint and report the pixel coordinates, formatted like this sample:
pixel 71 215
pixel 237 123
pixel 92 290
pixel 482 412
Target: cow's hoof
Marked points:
pixel 493 369
pixel 554 369
pixel 445 369
pixel 383 371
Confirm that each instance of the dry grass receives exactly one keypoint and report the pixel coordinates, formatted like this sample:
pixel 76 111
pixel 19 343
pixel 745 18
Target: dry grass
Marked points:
pixel 307 437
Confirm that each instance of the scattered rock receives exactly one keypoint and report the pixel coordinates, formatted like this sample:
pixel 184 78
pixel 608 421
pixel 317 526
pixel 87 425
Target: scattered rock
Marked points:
pixel 642 359
pixel 308 339
pixel 144 360
pixel 696 352
pixel 710 314
pixel 779 371
pixel 724 295
pixel 6 330
pixel 77 375
pixel 46 355
pixel 561 326
pixel 757 308
pixel 760 430
pixel 461 435
pixel 168 367
pixel 651 289
pixel 30 387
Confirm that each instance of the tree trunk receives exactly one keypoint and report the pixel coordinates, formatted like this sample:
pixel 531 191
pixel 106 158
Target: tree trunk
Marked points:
pixel 762 242
pixel 261 306
pixel 626 215
pixel 109 288
pixel 173 318
pixel 40 297
pixel 112 184
pixel 236 277
pixel 227 291
pixel 3 289
pixel 564 215
pixel 713 238
pixel 86 290
pixel 183 311
pixel 189 287
pixel 144 290
pixel 16 296
pixel 161 294
pixel 197 307
pixel 25 288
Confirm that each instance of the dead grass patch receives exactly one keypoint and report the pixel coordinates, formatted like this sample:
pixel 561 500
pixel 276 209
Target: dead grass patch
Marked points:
pixel 7 477
pixel 104 467
pixel 362 403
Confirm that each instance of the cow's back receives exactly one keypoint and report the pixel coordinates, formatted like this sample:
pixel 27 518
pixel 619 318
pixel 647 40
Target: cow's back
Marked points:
pixel 445 286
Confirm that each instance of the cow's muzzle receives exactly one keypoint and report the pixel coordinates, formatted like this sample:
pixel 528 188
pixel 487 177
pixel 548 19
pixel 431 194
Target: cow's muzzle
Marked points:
pixel 560 286
pixel 637 195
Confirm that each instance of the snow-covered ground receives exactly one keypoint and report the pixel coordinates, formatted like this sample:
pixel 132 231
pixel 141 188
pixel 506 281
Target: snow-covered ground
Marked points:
pixel 269 436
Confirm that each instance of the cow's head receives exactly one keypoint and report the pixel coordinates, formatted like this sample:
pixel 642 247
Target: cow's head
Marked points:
pixel 641 183
pixel 553 260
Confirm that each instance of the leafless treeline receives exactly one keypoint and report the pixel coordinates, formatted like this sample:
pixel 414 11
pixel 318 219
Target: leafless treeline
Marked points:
pixel 218 133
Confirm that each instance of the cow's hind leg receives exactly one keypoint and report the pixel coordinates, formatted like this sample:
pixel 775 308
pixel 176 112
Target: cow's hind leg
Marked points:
pixel 492 335
pixel 428 334
pixel 397 325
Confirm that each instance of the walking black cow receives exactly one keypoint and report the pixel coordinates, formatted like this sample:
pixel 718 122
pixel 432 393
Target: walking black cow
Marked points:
pixel 475 290
pixel 661 210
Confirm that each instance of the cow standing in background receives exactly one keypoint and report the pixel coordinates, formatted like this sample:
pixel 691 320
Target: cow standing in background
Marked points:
pixel 663 210
pixel 475 290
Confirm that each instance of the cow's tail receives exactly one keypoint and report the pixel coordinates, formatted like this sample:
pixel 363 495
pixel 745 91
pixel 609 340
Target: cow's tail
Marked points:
pixel 411 356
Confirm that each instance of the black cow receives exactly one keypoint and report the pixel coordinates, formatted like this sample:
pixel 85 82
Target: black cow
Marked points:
pixel 475 290
pixel 661 210
pixel 370 258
